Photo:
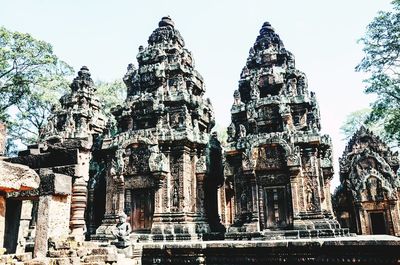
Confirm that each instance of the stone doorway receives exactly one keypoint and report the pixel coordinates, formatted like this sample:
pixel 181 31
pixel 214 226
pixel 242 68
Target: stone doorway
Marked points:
pixel 141 209
pixel 13 215
pixel 276 212
pixel 378 224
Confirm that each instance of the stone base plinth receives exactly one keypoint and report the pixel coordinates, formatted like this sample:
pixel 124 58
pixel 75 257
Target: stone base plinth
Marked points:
pixel 345 250
pixel 315 221
pixel 178 226
pixel 251 227
pixel 104 231
pixel 51 222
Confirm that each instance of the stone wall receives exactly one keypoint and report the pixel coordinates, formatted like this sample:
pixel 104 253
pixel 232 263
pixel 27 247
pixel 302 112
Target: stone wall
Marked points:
pixel 361 250
pixel 53 221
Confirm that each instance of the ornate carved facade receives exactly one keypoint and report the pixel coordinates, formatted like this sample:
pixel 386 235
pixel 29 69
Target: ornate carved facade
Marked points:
pixel 156 166
pixel 278 166
pixel 159 170
pixel 367 200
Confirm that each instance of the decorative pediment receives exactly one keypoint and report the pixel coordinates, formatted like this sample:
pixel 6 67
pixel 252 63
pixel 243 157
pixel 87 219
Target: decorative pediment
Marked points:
pixel 201 165
pixel 137 159
pixel 158 162
pixel 372 186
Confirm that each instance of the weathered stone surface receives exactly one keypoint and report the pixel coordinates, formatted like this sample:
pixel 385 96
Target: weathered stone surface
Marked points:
pixel 161 165
pixel 53 221
pixel 367 200
pixel 15 177
pixel 360 250
pixel 52 158
pixel 278 166
pixel 53 183
pixel 162 130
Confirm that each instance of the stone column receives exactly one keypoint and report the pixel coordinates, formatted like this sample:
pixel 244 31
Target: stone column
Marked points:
pixel 187 175
pixel 120 189
pixel 160 198
pixel 79 194
pixel 104 231
pixel 261 207
pixel 295 190
pixel 51 221
pixel 78 206
pixel 328 196
pixel 254 226
pixel 254 196
pixel 200 193
pixel 54 207
pixel 221 199
pixel 363 219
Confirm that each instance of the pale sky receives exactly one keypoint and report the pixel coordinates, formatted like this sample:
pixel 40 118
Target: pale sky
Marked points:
pixel 105 36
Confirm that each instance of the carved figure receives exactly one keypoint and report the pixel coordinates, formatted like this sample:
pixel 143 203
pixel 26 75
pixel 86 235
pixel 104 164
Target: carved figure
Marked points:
pixel 118 163
pixel 237 100
pixel 231 131
pixel 309 197
pixel 122 229
pixel 242 131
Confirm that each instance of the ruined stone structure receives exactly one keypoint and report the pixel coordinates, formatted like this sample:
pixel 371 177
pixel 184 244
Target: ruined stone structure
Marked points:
pixel 155 165
pixel 62 159
pixel 156 170
pixel 367 200
pixel 278 166
pixel 13 178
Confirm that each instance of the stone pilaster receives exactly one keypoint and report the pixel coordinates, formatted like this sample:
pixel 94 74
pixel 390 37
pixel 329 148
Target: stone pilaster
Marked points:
pixel 78 207
pixel 51 221
pixel 200 192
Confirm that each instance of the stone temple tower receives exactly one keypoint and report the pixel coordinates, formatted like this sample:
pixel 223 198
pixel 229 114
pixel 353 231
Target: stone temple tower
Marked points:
pixel 367 200
pixel 158 166
pixel 278 166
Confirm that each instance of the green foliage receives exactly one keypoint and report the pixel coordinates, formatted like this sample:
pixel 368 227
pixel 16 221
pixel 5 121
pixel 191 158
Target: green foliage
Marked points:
pixel 110 94
pixel 382 60
pixel 32 78
pixel 360 118
pixel 25 63
pixel 222 133
pixel 354 121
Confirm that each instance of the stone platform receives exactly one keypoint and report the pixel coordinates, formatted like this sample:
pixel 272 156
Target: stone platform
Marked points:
pixel 380 249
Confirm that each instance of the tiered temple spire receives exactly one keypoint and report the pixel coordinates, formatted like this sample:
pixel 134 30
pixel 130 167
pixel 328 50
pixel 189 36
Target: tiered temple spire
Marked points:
pixel 278 166
pixel 163 129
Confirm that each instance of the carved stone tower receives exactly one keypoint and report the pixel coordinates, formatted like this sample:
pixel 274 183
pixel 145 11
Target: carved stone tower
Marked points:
pixel 157 164
pixel 73 128
pixel 367 200
pixel 278 166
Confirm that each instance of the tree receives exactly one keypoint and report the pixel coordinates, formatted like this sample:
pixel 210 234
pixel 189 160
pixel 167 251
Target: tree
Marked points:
pixel 382 61
pixel 25 63
pixel 32 78
pixel 111 94
pixel 33 110
pixel 359 118
pixel 354 121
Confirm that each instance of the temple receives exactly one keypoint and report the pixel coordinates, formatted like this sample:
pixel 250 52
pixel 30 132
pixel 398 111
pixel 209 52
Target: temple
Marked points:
pixel 151 183
pixel 158 174
pixel 278 166
pixel 367 200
